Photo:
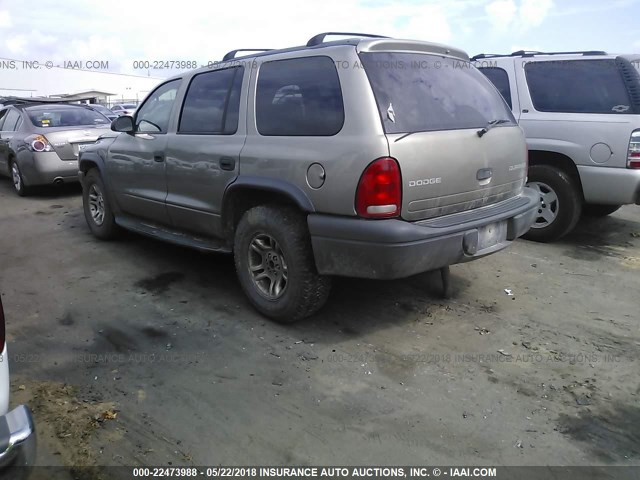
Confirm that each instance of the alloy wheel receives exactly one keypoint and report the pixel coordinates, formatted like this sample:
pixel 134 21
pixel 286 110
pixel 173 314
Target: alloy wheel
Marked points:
pixel 549 205
pixel 15 175
pixel 267 266
pixel 96 204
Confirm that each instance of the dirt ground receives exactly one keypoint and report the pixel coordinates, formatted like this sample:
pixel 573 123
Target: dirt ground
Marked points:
pixel 137 352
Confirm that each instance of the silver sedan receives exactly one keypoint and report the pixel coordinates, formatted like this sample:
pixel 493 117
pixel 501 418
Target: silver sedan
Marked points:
pixel 39 143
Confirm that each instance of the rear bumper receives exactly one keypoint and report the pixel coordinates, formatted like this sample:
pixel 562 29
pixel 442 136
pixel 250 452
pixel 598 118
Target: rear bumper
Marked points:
pixel 610 186
pixel 44 168
pixel 17 438
pixel 388 249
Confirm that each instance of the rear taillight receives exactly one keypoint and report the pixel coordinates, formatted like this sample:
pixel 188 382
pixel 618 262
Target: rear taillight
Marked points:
pixel 379 193
pixel 1 327
pixel 633 155
pixel 38 143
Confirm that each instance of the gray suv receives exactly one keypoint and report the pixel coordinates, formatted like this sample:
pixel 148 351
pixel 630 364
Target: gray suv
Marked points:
pixel 580 112
pixel 367 157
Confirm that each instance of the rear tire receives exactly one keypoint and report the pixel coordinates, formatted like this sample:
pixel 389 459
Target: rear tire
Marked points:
pixel 560 203
pixel 16 177
pixel 275 264
pixel 595 210
pixel 97 209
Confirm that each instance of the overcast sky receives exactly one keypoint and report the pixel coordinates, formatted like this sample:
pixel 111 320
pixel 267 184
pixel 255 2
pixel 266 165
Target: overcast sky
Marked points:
pixel 122 32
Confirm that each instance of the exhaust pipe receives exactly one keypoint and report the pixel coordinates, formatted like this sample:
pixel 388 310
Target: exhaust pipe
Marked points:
pixel 58 181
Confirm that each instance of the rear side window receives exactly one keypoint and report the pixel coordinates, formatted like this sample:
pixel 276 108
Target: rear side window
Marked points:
pixel 417 92
pixel 11 121
pixel 577 86
pixel 299 97
pixel 500 78
pixel 212 103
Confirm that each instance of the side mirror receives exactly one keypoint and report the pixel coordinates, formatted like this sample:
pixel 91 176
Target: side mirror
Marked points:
pixel 123 123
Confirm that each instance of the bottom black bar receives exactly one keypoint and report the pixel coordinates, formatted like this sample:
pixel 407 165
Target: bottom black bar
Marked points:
pixel 328 472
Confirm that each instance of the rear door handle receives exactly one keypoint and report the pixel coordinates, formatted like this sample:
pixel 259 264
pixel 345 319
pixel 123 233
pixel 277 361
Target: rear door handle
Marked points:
pixel 158 157
pixel 227 163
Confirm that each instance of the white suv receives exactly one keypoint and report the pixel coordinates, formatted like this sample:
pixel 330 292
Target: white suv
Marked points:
pixel 17 431
pixel 580 112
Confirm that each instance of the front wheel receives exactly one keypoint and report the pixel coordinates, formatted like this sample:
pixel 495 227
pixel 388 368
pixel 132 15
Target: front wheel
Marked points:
pixel 560 203
pixel 97 209
pixel 275 264
pixel 595 210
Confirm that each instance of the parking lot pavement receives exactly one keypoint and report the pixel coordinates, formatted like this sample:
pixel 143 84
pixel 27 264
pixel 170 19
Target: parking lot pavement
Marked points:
pixel 139 352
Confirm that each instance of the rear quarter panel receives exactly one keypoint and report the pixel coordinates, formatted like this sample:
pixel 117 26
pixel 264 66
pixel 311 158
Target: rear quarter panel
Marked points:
pixel 580 136
pixel 344 156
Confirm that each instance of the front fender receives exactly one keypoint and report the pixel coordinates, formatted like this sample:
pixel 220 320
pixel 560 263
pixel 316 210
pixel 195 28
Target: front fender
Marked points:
pixel 95 156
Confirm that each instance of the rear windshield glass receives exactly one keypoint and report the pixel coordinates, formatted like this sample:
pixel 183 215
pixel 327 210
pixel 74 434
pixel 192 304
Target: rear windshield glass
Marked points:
pixel 417 92
pixel 65 117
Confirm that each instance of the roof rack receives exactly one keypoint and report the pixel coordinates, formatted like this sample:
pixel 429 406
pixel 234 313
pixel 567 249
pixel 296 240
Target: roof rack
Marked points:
pixel 318 39
pixel 529 53
pixel 232 54
pixel 11 100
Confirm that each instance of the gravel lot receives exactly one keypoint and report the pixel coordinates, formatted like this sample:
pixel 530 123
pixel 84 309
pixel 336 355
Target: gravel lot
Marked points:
pixel 137 352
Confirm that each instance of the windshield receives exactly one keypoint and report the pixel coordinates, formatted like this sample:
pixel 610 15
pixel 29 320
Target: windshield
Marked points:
pixel 129 106
pixel 417 92
pixel 65 117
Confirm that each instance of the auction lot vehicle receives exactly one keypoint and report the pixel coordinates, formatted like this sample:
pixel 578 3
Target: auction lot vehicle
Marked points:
pixel 580 112
pixel 124 109
pixel 103 110
pixel 39 142
pixel 366 157
pixel 17 431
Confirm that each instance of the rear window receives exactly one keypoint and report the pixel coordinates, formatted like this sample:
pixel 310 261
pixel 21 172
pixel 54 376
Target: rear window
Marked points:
pixel 500 79
pixel 301 96
pixel 65 117
pixel 418 92
pixel 577 86
pixel 11 121
pixel 212 103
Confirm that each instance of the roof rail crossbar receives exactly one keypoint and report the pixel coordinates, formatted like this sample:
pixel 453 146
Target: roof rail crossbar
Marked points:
pixel 318 39
pixel 485 55
pixel 528 53
pixel 523 53
pixel 26 100
pixel 232 54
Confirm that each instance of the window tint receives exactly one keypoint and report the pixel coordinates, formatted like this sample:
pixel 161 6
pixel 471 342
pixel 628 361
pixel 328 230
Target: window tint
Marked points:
pixel 3 114
pixel 500 79
pixel 301 96
pixel 577 86
pixel 153 116
pixel 212 102
pixel 418 92
pixel 11 121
